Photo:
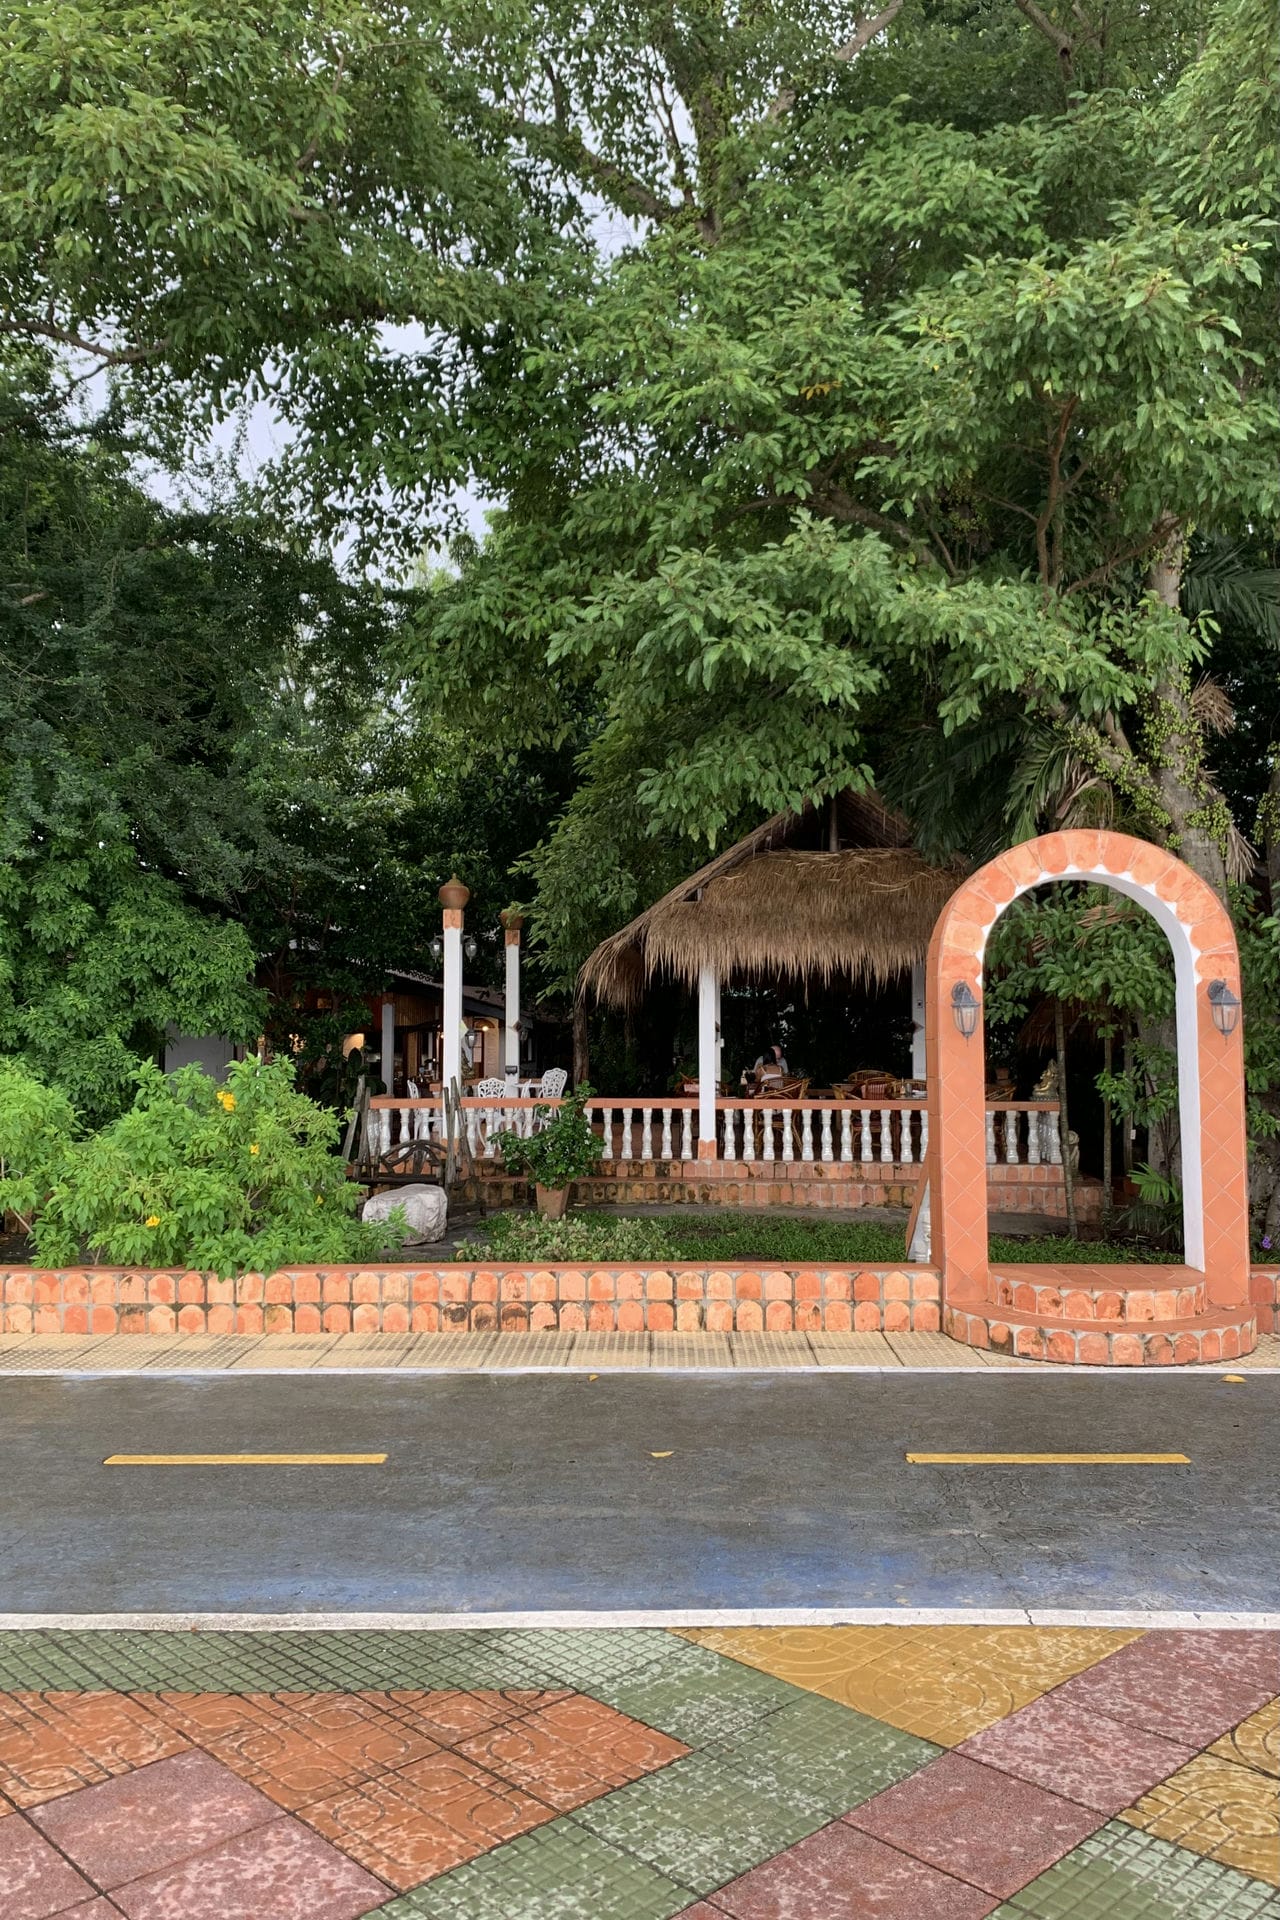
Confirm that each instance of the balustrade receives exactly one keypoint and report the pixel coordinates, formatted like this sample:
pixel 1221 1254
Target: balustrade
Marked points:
pixel 823 1132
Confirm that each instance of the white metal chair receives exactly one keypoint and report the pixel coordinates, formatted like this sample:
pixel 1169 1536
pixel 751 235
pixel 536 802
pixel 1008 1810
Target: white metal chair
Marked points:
pixel 554 1081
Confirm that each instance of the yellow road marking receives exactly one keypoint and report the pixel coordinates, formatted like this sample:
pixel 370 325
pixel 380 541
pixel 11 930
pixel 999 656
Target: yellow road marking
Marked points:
pixel 245 1460
pixel 1048 1460
pixel 1235 1379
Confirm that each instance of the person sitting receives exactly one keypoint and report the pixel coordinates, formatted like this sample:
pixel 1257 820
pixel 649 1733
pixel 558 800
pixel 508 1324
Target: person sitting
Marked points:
pixel 770 1066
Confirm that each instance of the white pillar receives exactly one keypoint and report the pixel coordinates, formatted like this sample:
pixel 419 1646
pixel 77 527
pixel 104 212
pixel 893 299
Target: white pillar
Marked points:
pixel 708 1061
pixel 453 898
pixel 512 924
pixel 388 1062
pixel 918 1068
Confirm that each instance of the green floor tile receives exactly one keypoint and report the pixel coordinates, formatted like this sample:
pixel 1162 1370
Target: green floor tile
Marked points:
pixel 592 1658
pixel 1120 1873
pixel 561 1872
pixel 701 1823
pixel 838 1757
pixel 699 1696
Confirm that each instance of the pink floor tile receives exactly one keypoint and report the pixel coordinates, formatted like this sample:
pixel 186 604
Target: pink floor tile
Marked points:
pixel 984 1827
pixel 1188 1687
pixel 840 1874
pixel 1079 1753
pixel 147 1820
pixel 34 1880
pixel 280 1872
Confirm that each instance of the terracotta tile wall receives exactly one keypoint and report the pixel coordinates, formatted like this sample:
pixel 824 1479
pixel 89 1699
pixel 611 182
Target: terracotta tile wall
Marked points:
pixel 461 1299
pixel 1264 1294
pixel 1017 1189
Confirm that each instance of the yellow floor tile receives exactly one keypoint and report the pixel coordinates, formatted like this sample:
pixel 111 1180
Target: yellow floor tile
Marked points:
pixel 1255 1742
pixel 942 1683
pixel 1218 1808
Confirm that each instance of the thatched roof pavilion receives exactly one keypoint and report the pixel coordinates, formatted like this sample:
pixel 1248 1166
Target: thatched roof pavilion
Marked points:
pixel 829 892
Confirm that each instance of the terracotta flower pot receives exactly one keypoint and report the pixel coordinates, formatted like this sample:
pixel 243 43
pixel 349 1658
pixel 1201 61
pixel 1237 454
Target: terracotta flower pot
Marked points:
pixel 553 1202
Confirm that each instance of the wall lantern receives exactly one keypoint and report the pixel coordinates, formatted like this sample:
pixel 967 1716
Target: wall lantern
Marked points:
pixel 437 947
pixel 469 946
pixel 1225 1008
pixel 964 1009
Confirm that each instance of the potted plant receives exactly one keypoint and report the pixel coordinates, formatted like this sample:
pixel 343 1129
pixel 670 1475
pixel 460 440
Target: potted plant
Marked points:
pixel 562 1151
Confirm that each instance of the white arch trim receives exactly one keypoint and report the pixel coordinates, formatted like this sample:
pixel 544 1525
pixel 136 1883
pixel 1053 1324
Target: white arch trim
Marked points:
pixel 1185 961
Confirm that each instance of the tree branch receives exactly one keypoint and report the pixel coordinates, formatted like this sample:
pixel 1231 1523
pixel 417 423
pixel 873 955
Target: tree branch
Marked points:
pixel 109 356
pixel 1058 40
pixel 863 34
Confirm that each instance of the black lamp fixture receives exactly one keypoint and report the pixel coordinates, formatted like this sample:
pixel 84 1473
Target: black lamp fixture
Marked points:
pixel 964 1008
pixel 437 947
pixel 1225 1008
pixel 469 946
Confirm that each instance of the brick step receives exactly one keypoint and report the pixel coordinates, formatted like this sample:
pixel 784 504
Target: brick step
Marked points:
pixel 1146 1297
pixel 1198 1340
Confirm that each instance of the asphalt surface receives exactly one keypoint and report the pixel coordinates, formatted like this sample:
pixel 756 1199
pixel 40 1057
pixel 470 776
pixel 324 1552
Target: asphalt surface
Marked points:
pixel 506 1492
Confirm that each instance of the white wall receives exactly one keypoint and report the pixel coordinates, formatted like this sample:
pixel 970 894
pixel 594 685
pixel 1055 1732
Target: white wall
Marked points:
pixel 210 1051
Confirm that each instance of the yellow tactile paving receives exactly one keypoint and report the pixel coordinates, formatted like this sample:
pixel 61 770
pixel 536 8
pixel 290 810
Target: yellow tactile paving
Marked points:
pixel 1217 1808
pixel 941 1683
pixel 1255 1743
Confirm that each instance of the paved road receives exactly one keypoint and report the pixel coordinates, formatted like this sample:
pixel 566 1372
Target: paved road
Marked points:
pixel 509 1492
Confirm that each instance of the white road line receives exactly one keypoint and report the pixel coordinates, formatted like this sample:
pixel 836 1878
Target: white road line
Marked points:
pixel 638 1617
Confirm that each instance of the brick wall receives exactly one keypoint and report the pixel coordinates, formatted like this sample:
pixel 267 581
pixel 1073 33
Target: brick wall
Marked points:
pixel 768 1185
pixel 476 1298
pixel 1264 1294
pixel 460 1299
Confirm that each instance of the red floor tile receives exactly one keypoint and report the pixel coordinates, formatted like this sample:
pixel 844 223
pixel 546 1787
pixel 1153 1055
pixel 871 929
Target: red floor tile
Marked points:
pixel 1079 1753
pixel 34 1880
pixel 841 1874
pixel 1187 1687
pixel 277 1872
pixel 152 1818
pixel 411 1825
pixel 572 1752
pixel 982 1826
pixel 53 1743
pixel 297 1748
pixel 450 1717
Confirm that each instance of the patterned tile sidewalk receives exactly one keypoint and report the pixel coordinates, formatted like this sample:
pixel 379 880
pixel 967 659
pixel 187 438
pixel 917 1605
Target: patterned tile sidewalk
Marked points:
pixel 716 1774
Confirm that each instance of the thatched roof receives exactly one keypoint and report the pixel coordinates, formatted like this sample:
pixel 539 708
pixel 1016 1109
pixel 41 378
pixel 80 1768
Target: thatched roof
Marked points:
pixel 784 901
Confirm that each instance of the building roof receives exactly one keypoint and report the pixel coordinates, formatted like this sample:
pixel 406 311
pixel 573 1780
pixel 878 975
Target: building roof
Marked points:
pixel 831 891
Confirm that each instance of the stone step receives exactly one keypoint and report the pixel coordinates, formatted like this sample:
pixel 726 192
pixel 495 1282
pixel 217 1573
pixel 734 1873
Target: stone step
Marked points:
pixel 1204 1339
pixel 1156 1293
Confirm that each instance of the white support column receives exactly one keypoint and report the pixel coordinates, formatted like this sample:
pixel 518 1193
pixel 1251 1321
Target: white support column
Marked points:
pixel 453 898
pixel 917 1021
pixel 708 1062
pixel 388 1060
pixel 512 923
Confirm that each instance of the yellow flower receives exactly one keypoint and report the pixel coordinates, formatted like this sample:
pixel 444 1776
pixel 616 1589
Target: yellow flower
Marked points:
pixel 227 1101
pixel 153 1219
pixel 319 1199
pixel 255 1148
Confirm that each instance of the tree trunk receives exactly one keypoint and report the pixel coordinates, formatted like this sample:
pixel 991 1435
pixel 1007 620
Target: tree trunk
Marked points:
pixel 581 1051
pixel 1064 1123
pixel 1108 1198
pixel 1195 809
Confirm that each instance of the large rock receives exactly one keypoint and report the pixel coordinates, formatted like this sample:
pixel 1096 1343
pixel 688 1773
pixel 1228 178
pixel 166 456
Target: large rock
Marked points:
pixel 425 1208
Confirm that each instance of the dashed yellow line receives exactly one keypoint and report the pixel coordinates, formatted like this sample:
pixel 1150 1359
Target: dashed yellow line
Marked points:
pixel 245 1460
pixel 1048 1460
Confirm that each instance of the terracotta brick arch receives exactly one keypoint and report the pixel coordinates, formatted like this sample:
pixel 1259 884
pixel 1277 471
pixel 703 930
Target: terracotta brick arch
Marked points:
pixel 1210 1067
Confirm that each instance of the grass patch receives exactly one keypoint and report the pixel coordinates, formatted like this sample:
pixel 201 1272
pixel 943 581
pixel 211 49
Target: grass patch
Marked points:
pixel 520 1239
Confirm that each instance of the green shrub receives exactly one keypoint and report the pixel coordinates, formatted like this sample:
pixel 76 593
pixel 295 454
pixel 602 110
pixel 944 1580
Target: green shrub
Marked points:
pixel 523 1239
pixel 37 1126
pixel 563 1151
pixel 226 1178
